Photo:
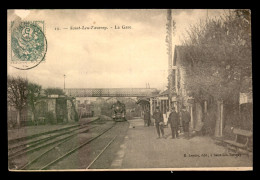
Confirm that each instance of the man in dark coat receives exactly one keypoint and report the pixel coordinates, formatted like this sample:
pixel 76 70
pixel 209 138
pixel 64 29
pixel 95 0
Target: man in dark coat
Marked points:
pixel 185 117
pixel 174 122
pixel 147 118
pixel 158 116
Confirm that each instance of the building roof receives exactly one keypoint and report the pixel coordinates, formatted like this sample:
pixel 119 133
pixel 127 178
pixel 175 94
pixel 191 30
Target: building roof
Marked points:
pixel 142 101
pixel 146 99
pixel 166 92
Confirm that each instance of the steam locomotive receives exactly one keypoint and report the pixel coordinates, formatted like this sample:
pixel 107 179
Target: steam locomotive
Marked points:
pixel 119 111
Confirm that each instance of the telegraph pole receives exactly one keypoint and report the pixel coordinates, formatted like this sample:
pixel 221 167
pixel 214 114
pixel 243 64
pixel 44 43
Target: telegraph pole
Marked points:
pixel 64 81
pixel 169 52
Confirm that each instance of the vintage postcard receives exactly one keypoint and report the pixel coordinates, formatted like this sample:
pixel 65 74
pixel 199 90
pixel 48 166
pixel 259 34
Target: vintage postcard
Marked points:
pixel 129 90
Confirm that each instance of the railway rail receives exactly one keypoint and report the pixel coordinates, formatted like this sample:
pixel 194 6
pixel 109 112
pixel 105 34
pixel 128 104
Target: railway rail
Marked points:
pixel 47 142
pixel 75 149
pixel 92 162
pixel 19 149
pixel 26 138
pixel 46 152
pixel 44 137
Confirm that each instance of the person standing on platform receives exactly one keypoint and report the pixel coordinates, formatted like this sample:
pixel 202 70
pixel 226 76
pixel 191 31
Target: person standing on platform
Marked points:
pixel 158 116
pixel 174 122
pixel 168 112
pixel 185 117
pixel 147 118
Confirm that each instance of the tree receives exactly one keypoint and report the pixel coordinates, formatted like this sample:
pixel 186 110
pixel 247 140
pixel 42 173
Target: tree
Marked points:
pixel 33 96
pixel 220 57
pixel 50 91
pixel 17 94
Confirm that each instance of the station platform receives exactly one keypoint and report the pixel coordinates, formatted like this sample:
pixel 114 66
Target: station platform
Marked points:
pixel 141 150
pixel 27 131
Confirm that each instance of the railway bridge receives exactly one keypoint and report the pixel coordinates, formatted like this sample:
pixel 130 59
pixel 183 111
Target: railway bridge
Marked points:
pixel 111 92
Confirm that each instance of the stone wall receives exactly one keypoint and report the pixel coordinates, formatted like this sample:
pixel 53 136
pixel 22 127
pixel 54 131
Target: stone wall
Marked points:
pixel 52 106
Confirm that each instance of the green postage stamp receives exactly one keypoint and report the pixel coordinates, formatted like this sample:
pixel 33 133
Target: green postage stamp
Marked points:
pixel 28 44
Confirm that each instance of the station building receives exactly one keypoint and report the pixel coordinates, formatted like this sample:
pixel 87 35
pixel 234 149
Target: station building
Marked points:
pixel 178 96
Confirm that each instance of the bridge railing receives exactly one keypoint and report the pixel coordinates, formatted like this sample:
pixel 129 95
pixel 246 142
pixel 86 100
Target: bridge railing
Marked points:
pixel 113 92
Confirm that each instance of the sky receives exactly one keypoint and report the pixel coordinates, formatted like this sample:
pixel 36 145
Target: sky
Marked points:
pixel 112 58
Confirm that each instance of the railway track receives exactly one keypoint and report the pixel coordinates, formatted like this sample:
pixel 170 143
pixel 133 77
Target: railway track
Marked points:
pixel 75 149
pixel 98 154
pixel 25 145
pixel 54 155
pixel 47 142
pixel 44 140
pixel 26 138
pixel 49 150
pixel 96 158
pixel 105 155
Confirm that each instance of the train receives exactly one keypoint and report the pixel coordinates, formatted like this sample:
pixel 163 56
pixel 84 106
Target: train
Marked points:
pixel 119 111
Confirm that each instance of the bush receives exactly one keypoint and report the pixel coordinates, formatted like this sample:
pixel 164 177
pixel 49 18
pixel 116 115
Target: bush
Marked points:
pixel 50 119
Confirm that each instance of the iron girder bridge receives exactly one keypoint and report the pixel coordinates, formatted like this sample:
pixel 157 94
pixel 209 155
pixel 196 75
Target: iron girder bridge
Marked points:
pixel 111 92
